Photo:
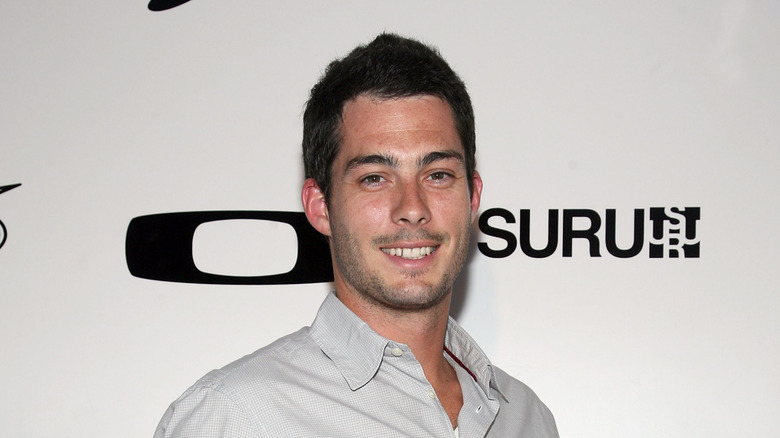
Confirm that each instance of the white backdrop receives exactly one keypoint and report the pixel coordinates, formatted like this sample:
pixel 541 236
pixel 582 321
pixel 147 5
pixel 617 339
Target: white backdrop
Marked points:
pixel 110 111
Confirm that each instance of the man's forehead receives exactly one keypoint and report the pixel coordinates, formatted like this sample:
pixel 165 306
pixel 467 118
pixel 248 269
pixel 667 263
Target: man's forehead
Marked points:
pixel 398 122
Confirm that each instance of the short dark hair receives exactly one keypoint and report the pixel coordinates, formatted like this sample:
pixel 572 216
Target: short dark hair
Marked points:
pixel 389 67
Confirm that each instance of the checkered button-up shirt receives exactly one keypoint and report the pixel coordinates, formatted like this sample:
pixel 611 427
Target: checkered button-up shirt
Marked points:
pixel 339 378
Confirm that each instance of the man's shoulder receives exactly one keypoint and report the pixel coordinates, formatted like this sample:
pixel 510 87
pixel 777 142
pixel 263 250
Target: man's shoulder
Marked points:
pixel 232 398
pixel 267 364
pixel 513 388
pixel 519 403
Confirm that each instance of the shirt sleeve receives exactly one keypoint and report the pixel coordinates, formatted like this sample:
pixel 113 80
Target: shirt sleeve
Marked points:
pixel 206 412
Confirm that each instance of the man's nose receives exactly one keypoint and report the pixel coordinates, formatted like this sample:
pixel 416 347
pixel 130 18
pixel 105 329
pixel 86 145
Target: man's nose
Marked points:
pixel 411 206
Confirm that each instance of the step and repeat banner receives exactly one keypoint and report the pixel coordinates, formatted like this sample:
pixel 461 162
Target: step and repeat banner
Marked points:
pixel 624 262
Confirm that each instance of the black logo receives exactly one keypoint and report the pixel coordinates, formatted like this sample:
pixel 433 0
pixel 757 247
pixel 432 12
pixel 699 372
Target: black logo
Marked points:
pixel 159 247
pixel 3 229
pixel 162 5
pixel 673 233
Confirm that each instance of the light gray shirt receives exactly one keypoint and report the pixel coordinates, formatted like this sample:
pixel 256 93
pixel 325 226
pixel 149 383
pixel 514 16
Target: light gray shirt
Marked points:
pixel 339 378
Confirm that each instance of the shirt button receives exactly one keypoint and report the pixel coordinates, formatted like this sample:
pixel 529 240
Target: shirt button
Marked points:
pixel 397 352
pixel 431 394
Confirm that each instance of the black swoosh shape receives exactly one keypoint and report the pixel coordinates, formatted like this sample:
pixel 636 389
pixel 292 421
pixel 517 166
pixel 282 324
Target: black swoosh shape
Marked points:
pixel 4 189
pixel 162 5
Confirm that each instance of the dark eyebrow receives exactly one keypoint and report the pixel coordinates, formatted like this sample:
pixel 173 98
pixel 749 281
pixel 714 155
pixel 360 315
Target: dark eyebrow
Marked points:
pixel 390 161
pixel 385 160
pixel 438 156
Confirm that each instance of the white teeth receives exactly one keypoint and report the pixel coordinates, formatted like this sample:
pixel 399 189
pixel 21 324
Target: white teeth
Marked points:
pixel 409 253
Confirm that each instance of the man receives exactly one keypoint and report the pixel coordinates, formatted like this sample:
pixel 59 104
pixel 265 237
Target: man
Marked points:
pixel 389 157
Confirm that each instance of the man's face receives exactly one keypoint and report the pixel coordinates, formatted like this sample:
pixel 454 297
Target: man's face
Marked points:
pixel 400 211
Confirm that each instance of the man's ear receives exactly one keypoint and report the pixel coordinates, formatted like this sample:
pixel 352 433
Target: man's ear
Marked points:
pixel 476 194
pixel 315 207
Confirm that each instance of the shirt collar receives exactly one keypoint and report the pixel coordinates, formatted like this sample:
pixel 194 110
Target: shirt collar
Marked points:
pixel 465 349
pixel 354 347
pixel 357 350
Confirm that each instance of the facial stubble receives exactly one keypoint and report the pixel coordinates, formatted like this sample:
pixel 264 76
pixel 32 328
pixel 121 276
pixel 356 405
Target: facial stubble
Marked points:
pixel 368 283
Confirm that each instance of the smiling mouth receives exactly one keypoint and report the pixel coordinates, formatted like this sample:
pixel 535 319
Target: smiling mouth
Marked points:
pixel 410 253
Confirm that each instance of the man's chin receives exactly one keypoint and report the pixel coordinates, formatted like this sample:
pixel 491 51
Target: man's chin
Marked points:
pixel 414 298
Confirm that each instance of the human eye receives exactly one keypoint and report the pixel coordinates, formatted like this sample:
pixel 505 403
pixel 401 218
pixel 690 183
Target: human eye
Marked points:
pixel 372 180
pixel 439 176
